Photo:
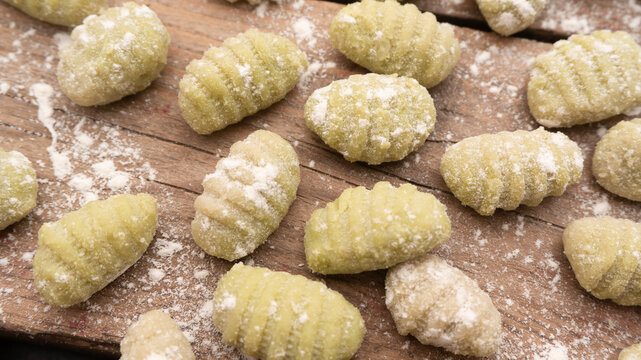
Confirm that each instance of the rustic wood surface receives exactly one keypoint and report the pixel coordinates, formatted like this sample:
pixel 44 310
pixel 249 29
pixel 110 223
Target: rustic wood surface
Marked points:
pixel 516 256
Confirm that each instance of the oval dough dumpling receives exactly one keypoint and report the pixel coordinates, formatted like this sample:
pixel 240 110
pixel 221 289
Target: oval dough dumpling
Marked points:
pixel 247 196
pixel 507 17
pixel 118 53
pixel 586 78
pixel 605 254
pixel 276 315
pixel 390 38
pixel 441 306
pixel 155 336
pixel 18 187
pixel 366 230
pixel 616 164
pixel 60 12
pixel 507 169
pixel 631 353
pixel 87 249
pixel 247 73
pixel 372 118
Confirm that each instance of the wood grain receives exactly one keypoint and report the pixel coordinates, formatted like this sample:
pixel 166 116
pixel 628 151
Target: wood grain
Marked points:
pixel 516 256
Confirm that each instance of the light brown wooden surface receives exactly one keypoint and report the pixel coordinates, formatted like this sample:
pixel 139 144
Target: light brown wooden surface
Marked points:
pixel 516 256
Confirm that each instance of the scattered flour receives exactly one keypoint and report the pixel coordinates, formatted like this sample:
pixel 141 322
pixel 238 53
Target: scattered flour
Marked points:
pixel 156 274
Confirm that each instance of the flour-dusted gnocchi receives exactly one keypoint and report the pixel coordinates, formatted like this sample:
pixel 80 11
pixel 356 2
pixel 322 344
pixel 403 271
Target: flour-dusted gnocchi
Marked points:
pixel 372 118
pixel 390 38
pixel 616 164
pixel 366 230
pixel 586 78
pixel 507 17
pixel 631 353
pixel 441 306
pixel 248 73
pixel 507 169
pixel 60 12
pixel 276 315
pixel 247 196
pixel 155 336
pixel 87 249
pixel 605 254
pixel 118 53
pixel 18 187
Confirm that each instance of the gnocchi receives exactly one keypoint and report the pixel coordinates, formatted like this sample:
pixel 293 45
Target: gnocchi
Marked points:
pixel 155 336
pixel 60 12
pixel 507 17
pixel 372 118
pixel 18 187
pixel 631 353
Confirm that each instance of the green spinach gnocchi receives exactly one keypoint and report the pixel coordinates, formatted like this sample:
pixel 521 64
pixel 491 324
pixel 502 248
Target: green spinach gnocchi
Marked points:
pixel 276 315
pixel 118 53
pixel 390 38
pixel 87 249
pixel 18 187
pixel 507 169
pixel 248 73
pixel 631 353
pixel 366 230
pixel 155 336
pixel 60 12
pixel 247 196
pixel 507 17
pixel 372 118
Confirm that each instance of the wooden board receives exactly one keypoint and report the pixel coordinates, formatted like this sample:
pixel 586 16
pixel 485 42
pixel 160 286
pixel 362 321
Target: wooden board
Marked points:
pixel 516 256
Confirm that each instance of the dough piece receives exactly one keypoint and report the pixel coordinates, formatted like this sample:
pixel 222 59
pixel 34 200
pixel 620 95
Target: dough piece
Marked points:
pixel 155 336
pixel 247 196
pixel 441 306
pixel 276 315
pixel 617 160
pixel 605 254
pixel 631 353
pixel 366 230
pixel 60 12
pixel 507 17
pixel 390 38
pixel 118 53
pixel 507 169
pixel 87 249
pixel 248 73
pixel 372 118
pixel 585 79
pixel 18 187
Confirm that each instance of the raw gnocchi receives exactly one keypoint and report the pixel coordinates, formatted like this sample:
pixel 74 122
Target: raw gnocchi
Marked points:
pixel 441 306
pixel 506 169
pixel 248 73
pixel 372 118
pixel 60 12
pixel 605 254
pixel 631 353
pixel 155 336
pixel 276 315
pixel 586 78
pixel 616 164
pixel 390 38
pixel 247 196
pixel 18 187
pixel 118 53
pixel 366 230
pixel 87 249
pixel 507 17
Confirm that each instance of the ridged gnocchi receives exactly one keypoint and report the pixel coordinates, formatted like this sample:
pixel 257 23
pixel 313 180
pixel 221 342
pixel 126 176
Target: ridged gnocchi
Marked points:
pixel 155 336
pixel 390 38
pixel 18 187
pixel 586 78
pixel 631 353
pixel 248 73
pixel 507 169
pixel 118 53
pixel 60 12
pixel 372 118
pixel 616 164
pixel 366 230
pixel 605 254
pixel 441 306
pixel 507 17
pixel 276 315
pixel 247 196
pixel 87 249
